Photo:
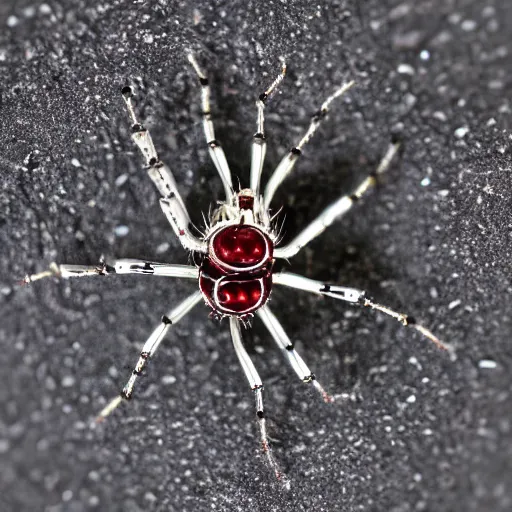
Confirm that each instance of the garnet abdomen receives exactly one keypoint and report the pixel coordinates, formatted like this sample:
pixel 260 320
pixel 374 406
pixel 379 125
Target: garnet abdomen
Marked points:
pixel 236 276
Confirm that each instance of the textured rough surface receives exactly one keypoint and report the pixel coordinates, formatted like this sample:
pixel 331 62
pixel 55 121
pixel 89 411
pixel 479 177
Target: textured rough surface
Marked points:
pixel 420 430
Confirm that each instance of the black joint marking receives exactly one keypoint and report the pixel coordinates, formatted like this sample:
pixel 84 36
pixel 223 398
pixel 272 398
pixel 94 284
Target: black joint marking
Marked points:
pixel 127 92
pixel 138 128
pixel 263 97
pixel 260 414
pixel 166 320
pixel 410 320
pixel 325 288
pixel 295 151
pixel 207 114
pixel 137 372
pixel 309 378
pixel 103 269
pixel 125 395
pixel 259 136
pixel 353 198
pixel 362 299
pixel 203 81
pixel 318 115
pixel 290 347
pixel 153 162
pixel 144 355
pixel 395 138
pixel 214 143
pixel 144 269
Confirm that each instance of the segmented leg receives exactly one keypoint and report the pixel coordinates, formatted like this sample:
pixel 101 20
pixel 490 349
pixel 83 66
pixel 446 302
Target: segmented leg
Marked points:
pixel 284 343
pixel 122 266
pixel 172 202
pixel 259 144
pixel 257 386
pixel 335 210
pixel 216 152
pixel 149 349
pixel 288 162
pixel 353 296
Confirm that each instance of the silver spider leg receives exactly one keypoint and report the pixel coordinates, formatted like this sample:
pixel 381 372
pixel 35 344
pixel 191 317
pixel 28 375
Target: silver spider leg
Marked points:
pixel 122 266
pixel 335 210
pixel 288 162
pixel 149 349
pixel 216 152
pixel 259 144
pixel 353 296
pixel 257 386
pixel 284 343
pixel 172 203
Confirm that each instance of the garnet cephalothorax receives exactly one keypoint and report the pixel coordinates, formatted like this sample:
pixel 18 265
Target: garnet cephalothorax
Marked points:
pixel 238 249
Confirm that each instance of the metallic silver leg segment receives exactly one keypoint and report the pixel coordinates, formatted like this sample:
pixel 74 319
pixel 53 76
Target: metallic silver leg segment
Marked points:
pixel 122 266
pixel 334 210
pixel 149 348
pixel 162 177
pixel 216 152
pixel 170 207
pixel 284 343
pixel 257 386
pixel 354 296
pixel 259 144
pixel 288 162
pixel 130 266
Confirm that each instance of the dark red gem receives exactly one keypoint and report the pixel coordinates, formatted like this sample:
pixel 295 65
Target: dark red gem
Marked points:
pixel 239 296
pixel 241 246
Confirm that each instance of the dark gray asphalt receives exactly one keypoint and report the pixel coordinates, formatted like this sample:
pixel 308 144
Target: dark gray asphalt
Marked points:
pixel 423 431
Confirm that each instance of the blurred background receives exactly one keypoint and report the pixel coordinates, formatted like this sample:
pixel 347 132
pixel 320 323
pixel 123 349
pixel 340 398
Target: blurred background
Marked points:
pixel 414 429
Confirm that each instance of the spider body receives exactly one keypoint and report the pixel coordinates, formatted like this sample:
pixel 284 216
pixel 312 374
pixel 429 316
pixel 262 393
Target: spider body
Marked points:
pixel 235 276
pixel 238 250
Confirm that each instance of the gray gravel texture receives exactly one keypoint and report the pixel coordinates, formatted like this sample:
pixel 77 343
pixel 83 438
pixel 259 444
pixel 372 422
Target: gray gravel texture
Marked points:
pixel 420 430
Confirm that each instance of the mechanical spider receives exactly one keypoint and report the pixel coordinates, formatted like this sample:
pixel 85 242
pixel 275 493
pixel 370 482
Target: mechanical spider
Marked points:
pixel 238 250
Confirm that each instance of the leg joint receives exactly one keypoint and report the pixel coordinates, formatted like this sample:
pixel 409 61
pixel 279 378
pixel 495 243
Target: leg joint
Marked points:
pixel 126 395
pixel 166 320
pixel 138 128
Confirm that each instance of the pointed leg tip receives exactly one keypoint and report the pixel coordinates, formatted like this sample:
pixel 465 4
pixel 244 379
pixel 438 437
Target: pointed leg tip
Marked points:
pixel 329 399
pixel 283 480
pixel 442 346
